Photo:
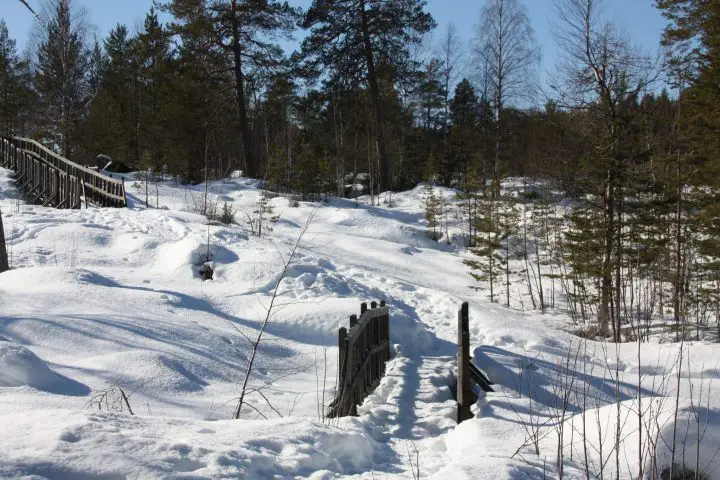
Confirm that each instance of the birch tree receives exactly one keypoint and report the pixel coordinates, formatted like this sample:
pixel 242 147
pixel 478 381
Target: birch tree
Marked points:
pixel 505 51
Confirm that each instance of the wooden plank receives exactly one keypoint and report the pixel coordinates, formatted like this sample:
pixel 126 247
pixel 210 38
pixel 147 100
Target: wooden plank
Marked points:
pixel 361 366
pixel 477 376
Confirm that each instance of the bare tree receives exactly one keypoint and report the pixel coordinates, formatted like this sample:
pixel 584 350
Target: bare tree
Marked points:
pixel 269 312
pixel 27 5
pixel 599 71
pixel 451 54
pixel 505 50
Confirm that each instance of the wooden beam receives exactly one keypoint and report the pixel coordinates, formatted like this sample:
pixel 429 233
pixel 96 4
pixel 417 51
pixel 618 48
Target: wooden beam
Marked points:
pixel 4 264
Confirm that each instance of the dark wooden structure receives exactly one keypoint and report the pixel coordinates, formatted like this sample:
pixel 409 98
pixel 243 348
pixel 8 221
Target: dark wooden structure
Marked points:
pixel 4 264
pixel 363 352
pixel 51 180
pixel 467 372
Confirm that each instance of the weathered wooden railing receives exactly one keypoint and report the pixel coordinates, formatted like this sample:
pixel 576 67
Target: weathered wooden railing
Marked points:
pixel 52 180
pixel 467 372
pixel 363 351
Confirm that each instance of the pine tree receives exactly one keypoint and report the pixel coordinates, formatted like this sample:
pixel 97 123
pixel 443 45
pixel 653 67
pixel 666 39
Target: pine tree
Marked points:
pixel 349 39
pixel 463 142
pixel 431 101
pixel 246 30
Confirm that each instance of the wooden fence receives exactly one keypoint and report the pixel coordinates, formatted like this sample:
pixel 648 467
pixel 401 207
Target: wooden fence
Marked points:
pixel 52 180
pixel 363 351
pixel 467 372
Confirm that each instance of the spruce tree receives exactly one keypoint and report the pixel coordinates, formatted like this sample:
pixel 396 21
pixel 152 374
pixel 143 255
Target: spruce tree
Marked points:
pixel 463 142
pixel 489 242
pixel 13 89
pixel 469 198
pixel 152 48
pixel 61 77
pixel 111 123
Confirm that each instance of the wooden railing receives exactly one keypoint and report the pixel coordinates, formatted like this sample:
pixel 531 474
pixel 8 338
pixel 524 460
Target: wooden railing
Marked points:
pixel 363 351
pixel 52 180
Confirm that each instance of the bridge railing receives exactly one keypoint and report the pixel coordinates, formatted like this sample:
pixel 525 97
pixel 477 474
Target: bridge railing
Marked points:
pixel 363 352
pixel 53 180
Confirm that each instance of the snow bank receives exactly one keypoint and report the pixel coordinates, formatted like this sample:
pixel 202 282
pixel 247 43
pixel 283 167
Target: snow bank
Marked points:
pixel 19 367
pixel 697 442
pixel 109 446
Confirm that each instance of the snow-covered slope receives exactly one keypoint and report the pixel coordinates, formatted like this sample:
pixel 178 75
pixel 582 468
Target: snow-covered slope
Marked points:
pixel 106 299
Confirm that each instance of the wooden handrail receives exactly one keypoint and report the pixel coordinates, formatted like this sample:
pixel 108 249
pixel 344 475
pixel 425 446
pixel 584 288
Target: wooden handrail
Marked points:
pixel 52 180
pixel 60 159
pixel 363 351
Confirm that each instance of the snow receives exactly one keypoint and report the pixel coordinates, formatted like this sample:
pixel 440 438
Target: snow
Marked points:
pixel 105 299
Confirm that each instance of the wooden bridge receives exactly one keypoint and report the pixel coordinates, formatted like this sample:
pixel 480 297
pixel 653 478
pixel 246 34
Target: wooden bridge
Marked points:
pixel 51 180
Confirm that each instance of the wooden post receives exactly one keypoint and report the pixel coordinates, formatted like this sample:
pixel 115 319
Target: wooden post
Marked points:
pixel 363 308
pixel 342 361
pixel 82 187
pixel 124 195
pixel 4 265
pixel 465 397
pixel 373 305
pixel 353 320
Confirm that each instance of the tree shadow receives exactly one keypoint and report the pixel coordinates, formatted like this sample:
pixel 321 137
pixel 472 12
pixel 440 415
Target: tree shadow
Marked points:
pixel 547 383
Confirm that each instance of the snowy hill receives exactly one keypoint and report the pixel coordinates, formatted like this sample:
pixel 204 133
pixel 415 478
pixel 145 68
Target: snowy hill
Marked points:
pixel 106 299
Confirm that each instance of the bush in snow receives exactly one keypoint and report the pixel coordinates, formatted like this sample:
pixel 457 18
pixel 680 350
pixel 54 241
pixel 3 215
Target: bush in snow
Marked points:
pixel 228 214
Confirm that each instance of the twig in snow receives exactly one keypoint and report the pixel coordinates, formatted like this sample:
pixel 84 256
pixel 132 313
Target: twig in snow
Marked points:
pixel 256 344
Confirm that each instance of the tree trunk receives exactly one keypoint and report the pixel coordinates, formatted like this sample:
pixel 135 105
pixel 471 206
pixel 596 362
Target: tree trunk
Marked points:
pixel 495 193
pixel 384 180
pixel 4 265
pixel 250 165
pixel 606 274
pixel 677 288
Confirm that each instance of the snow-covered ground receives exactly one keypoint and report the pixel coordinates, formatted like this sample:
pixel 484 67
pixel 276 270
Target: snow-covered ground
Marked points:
pixel 107 299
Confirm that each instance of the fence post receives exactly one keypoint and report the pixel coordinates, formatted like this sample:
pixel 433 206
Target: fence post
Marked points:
pixel 342 336
pixel 464 392
pixel 4 266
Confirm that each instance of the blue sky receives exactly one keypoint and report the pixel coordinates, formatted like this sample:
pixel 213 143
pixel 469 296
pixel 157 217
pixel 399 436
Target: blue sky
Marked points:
pixel 637 18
